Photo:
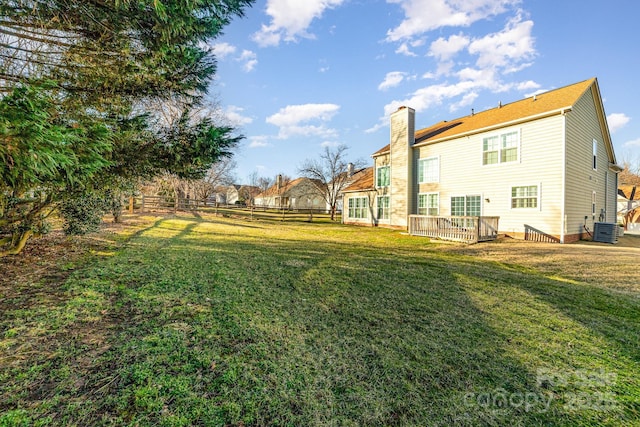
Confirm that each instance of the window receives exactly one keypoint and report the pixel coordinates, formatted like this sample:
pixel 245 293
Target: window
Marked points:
pixel 429 170
pixel 465 206
pixel 429 204
pixel 595 154
pixel 501 148
pixel 593 203
pixel 524 197
pixel 382 176
pixel 383 207
pixel 358 207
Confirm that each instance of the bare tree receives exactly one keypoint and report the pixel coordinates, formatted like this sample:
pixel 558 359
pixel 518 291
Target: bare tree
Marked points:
pixel 331 172
pixel 218 178
pixel 631 172
pixel 252 189
pixel 282 186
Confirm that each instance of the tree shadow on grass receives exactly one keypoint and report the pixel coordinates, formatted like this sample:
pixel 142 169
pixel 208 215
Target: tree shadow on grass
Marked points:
pixel 370 345
pixel 206 329
pixel 592 336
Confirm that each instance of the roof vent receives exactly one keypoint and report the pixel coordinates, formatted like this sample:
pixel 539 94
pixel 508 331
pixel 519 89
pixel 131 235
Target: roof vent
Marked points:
pixel 472 112
pixel 500 104
pixel 535 97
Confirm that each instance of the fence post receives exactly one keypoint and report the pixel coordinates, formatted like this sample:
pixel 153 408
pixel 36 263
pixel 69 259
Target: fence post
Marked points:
pixel 130 204
pixel 142 205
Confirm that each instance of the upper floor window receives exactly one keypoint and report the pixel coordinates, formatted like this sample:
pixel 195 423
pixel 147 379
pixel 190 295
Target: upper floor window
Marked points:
pixel 382 176
pixel 429 170
pixel 501 148
pixel 595 154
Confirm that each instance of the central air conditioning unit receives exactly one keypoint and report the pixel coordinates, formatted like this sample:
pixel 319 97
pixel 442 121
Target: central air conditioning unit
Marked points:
pixel 605 232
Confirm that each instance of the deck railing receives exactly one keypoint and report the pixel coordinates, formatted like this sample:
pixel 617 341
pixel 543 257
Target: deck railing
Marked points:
pixel 468 229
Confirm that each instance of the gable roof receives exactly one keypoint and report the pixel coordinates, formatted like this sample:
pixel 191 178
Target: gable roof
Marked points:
pixel 534 107
pixel 627 190
pixel 274 191
pixel 362 182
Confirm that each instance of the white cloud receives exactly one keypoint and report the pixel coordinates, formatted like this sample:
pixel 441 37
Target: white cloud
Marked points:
pixel 403 49
pixel 492 55
pixel 247 57
pixel 617 121
pixel 222 50
pixel 466 100
pixel 422 16
pixel 233 114
pixel 250 60
pixel 445 49
pixel 291 19
pixel 633 143
pixel 258 141
pixel 392 79
pixel 528 85
pixel 294 120
pixel 506 49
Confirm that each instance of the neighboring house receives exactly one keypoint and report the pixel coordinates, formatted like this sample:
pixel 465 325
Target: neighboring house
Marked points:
pixel 300 193
pixel 544 165
pixel 235 193
pixel 353 175
pixel 629 208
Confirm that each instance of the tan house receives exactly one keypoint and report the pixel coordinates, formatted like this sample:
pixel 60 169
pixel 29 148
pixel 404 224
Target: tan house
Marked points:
pixel 300 193
pixel 542 166
pixel 629 208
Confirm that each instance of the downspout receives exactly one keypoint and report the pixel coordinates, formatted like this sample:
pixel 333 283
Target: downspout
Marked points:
pixel 564 178
pixel 606 196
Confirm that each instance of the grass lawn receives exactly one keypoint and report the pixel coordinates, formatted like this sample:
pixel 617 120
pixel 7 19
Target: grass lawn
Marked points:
pixel 184 320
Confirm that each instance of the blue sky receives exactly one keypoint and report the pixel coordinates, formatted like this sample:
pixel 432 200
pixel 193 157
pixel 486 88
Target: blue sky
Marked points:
pixel 298 75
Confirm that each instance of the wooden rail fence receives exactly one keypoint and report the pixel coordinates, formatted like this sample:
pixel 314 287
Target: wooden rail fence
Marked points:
pixel 161 203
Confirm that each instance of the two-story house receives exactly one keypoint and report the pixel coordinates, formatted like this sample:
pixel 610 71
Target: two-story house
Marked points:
pixel 543 165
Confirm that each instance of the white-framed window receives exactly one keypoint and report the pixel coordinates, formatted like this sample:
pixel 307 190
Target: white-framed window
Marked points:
pixel 358 207
pixel 429 170
pixel 466 205
pixel 595 155
pixel 501 148
pixel 382 176
pixel 429 204
pixel 470 205
pixel 383 207
pixel 526 196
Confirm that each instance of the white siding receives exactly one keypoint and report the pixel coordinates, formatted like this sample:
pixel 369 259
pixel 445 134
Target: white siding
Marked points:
pixel 539 163
pixel 582 180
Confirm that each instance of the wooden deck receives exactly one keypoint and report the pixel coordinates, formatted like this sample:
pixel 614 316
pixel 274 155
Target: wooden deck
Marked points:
pixel 468 229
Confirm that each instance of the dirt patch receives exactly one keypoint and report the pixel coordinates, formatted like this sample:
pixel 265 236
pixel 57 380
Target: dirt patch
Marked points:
pixel 46 262
pixel 614 266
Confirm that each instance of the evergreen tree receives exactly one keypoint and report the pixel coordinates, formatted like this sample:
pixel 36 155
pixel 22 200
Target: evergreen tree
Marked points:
pixel 77 79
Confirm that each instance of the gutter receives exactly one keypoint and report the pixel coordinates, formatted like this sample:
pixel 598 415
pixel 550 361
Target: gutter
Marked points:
pixel 562 111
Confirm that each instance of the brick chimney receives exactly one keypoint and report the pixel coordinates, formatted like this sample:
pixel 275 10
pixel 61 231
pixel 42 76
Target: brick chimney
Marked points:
pixel 278 181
